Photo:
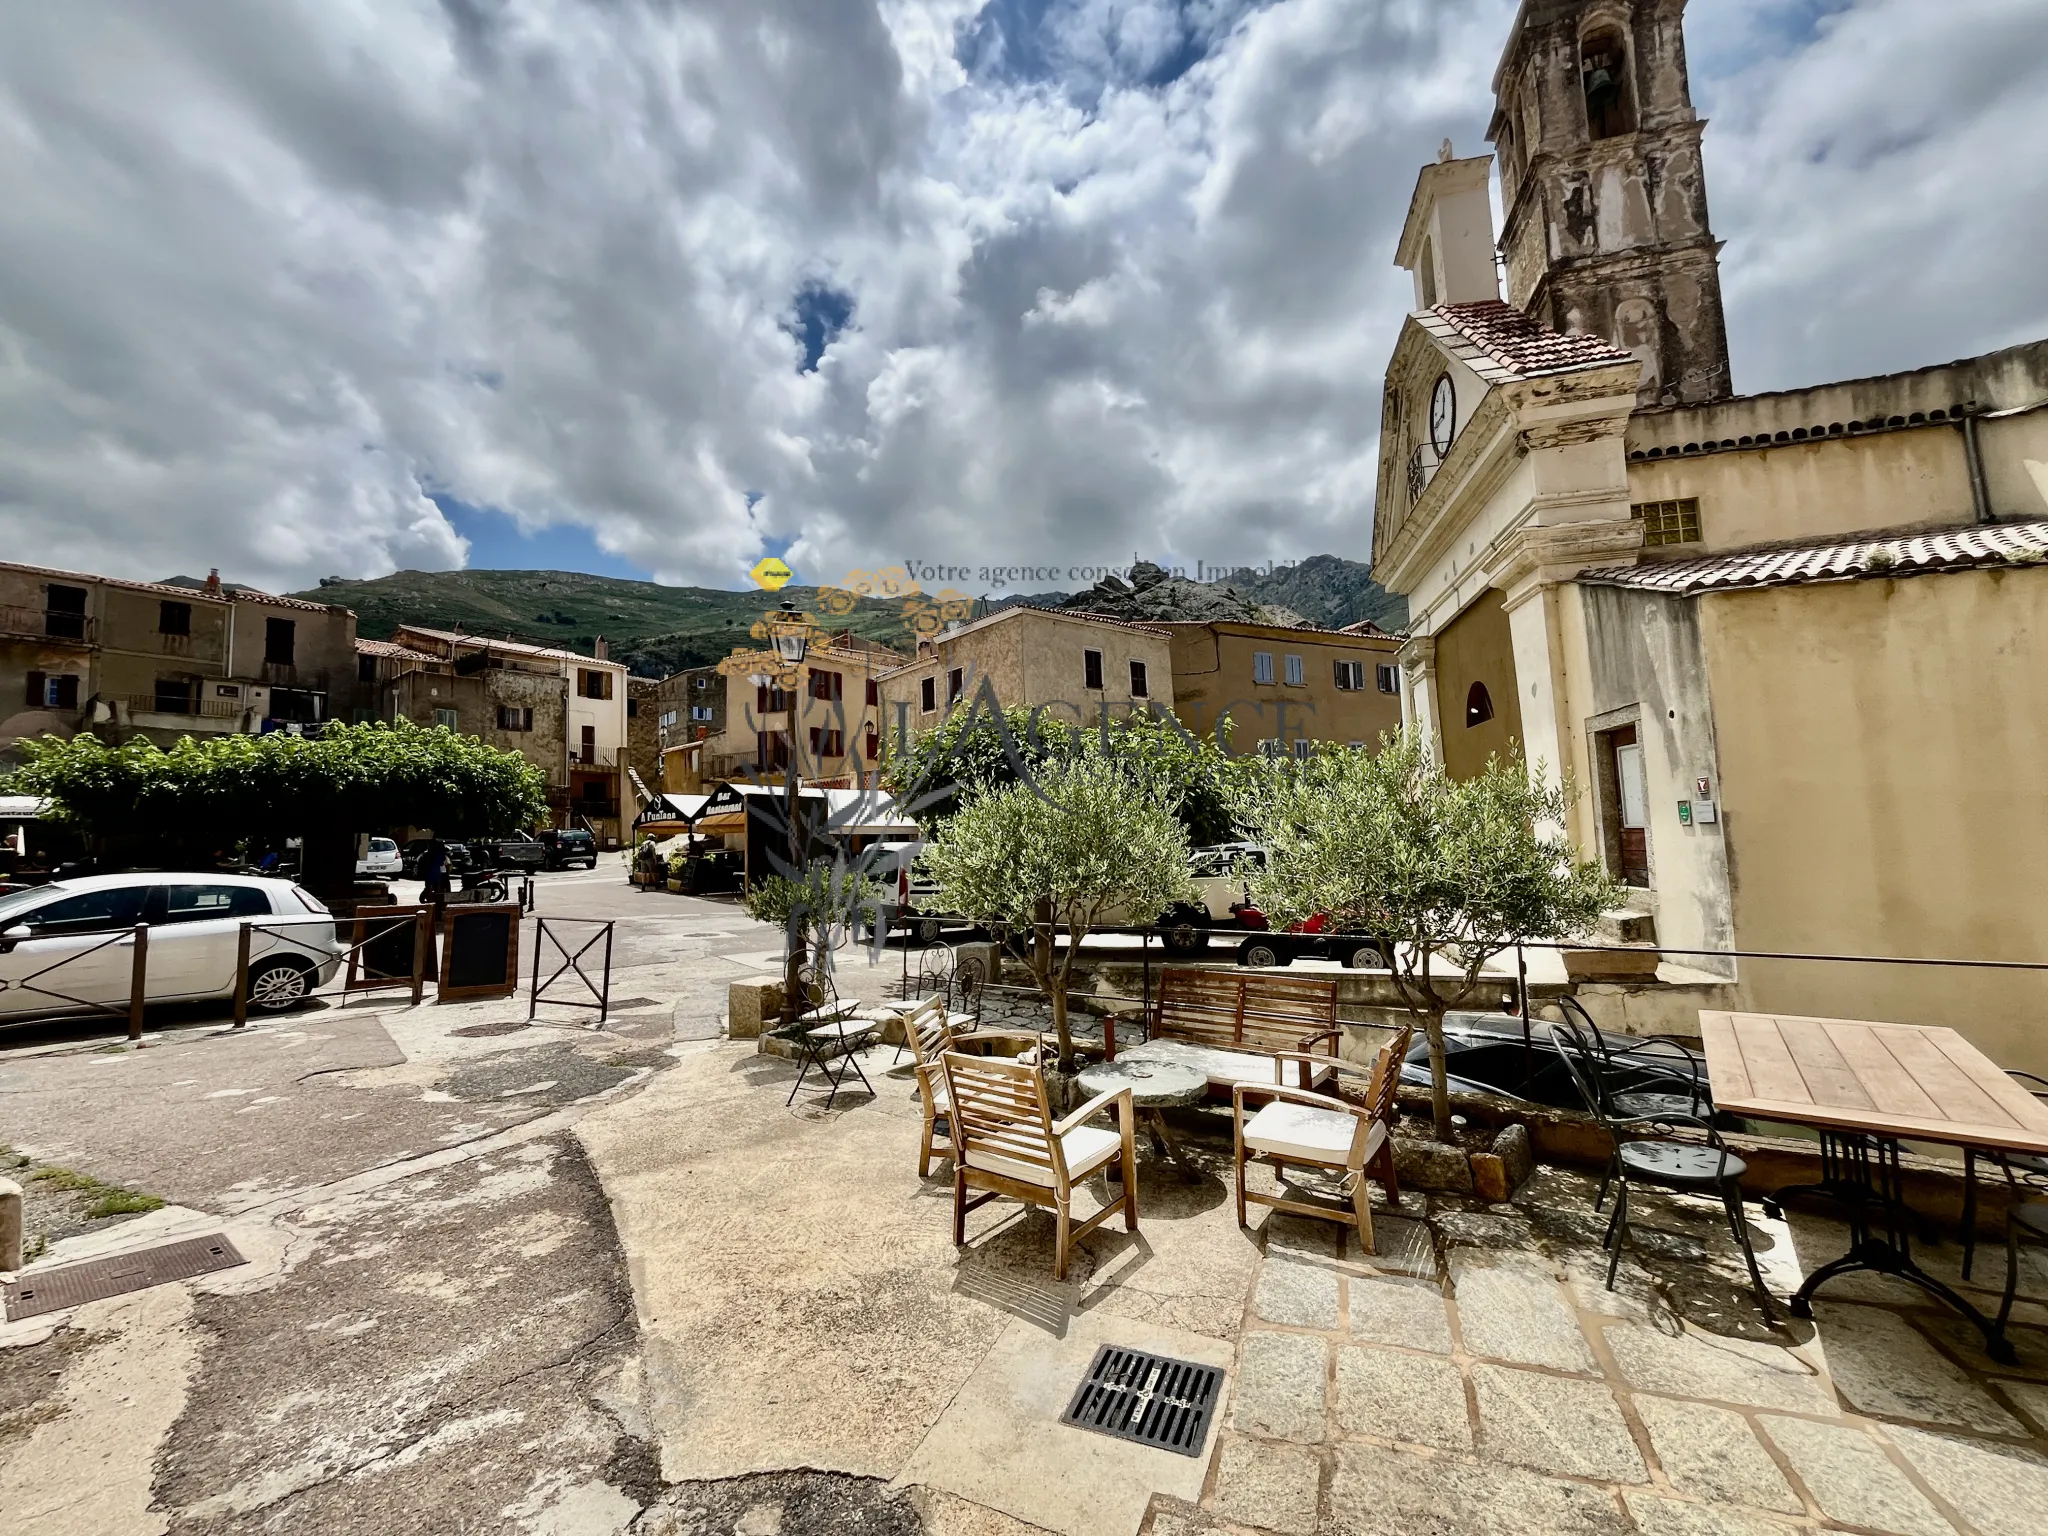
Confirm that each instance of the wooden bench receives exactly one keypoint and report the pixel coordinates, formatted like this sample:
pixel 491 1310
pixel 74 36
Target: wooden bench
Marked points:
pixel 1236 1025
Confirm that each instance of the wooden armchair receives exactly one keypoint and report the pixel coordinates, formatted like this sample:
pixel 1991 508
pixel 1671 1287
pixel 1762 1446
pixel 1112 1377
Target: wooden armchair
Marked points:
pixel 1007 1143
pixel 1352 1137
pixel 930 1031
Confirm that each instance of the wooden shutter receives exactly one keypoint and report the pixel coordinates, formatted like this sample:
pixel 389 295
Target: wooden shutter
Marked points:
pixel 37 697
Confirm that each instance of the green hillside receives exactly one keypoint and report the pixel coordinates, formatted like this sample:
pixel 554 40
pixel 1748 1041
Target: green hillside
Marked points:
pixel 654 629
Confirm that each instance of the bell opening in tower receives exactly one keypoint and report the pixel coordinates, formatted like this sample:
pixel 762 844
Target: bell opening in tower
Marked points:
pixel 1603 74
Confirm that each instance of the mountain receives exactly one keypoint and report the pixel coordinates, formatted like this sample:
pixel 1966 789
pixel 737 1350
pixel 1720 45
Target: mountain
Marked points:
pixel 1326 589
pixel 1323 589
pixel 654 629
pixel 1151 593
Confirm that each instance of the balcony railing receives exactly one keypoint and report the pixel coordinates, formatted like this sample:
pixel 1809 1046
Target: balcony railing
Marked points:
pixel 49 624
pixel 176 704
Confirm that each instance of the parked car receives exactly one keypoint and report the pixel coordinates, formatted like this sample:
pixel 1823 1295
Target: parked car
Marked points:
pixel 569 845
pixel 519 851
pixel 459 857
pixel 1313 940
pixel 62 949
pixel 383 862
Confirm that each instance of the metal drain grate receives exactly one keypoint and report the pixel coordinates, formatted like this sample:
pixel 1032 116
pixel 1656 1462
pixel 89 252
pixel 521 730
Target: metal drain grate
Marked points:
pixel 71 1285
pixel 1146 1398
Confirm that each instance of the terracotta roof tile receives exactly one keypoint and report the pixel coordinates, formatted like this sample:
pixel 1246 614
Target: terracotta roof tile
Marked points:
pixel 1949 549
pixel 1523 345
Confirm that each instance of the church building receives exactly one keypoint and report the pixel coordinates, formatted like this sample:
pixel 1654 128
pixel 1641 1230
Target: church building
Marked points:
pixel 1789 647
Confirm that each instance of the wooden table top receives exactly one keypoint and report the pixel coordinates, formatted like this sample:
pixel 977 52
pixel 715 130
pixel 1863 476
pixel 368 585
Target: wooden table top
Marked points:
pixel 1904 1080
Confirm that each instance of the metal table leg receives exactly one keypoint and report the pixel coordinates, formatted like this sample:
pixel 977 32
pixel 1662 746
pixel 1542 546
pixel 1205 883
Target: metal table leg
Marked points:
pixel 1862 1172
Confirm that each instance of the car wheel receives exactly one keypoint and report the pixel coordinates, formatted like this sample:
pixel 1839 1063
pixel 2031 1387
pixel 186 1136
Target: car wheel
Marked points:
pixel 278 986
pixel 490 891
pixel 930 930
pixel 1260 954
pixel 1184 936
pixel 1364 957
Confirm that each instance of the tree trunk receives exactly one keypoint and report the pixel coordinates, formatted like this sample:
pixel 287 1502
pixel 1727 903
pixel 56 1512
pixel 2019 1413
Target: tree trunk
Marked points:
pixel 1439 1074
pixel 327 867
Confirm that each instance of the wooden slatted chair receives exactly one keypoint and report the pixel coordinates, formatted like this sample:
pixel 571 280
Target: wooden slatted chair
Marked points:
pixel 930 1031
pixel 1234 1026
pixel 1007 1143
pixel 1351 1136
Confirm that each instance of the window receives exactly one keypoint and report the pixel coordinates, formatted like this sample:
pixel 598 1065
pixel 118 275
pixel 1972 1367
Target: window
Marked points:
pixel 280 640
pixel 1262 666
pixel 769 700
pixel 874 692
pixel 53 690
pixel 1303 748
pixel 448 718
pixel 1140 684
pixel 1091 669
pixel 64 613
pixel 366 669
pixel 632 708
pixel 668 718
pixel 1478 706
pixel 593 684
pixel 928 695
pixel 1388 678
pixel 700 711
pixel 1603 74
pixel 700 684
pixel 1351 676
pixel 198 903
pixel 1426 269
pixel 1669 522
pixel 873 746
pixel 771 749
pixel 91 911
pixel 827 743
pixel 174 618
pixel 296 704
pixel 956 684
pixel 1356 746
pixel 515 717
pixel 825 685
pixel 587 752
pixel 1294 673
pixel 174 696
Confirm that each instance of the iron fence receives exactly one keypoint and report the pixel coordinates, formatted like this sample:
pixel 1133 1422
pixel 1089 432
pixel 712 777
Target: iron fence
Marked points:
pixel 137 938
pixel 600 990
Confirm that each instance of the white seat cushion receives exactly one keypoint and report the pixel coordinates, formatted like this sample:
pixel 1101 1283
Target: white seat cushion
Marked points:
pixel 1087 1148
pixel 1283 1129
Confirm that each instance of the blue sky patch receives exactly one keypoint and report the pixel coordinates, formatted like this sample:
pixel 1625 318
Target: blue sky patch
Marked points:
pixel 822 312
pixel 497 543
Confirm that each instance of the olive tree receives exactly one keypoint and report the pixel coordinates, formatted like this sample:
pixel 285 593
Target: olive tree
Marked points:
pixel 1449 872
pixel 829 897
pixel 1080 844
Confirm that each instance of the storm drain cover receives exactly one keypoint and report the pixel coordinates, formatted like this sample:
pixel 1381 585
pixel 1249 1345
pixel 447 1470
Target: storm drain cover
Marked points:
pixel 1146 1398
pixel 71 1285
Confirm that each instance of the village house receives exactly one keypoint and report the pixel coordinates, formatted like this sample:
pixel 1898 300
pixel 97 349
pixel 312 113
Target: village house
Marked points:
pixel 821 717
pixel 1788 645
pixel 1075 665
pixel 1285 687
pixel 158 660
pixel 564 712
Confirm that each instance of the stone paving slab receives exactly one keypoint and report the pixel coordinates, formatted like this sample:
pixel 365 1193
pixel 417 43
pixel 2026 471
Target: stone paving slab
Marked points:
pixel 1276 1487
pixel 1296 1295
pixel 1852 1479
pixel 1555 1424
pixel 1720 1369
pixel 1400 1396
pixel 1282 1386
pixel 1884 1366
pixel 1510 1308
pixel 1406 1312
pixel 2000 1489
pixel 1413 1493
pixel 1712 1453
pixel 1658 1516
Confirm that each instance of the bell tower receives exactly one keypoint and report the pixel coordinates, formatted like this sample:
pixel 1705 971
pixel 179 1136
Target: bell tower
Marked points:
pixel 1606 197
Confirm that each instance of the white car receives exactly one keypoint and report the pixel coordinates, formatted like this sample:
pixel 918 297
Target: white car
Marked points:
pixel 69 947
pixel 384 861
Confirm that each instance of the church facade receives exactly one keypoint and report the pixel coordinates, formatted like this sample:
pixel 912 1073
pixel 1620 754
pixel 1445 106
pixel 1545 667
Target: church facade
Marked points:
pixel 1789 648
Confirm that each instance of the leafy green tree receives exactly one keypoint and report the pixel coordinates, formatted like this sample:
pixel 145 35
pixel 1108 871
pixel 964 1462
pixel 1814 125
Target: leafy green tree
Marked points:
pixel 1449 872
pixel 203 799
pixel 1087 841
pixel 831 895
pixel 982 746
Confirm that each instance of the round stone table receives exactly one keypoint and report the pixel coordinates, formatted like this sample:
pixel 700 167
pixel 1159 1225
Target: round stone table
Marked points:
pixel 1154 1085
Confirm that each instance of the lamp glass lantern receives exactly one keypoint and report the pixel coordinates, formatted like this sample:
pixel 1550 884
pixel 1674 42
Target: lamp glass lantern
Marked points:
pixel 790 632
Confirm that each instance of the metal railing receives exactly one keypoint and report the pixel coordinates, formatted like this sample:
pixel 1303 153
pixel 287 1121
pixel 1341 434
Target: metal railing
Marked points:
pixel 366 971
pixel 171 704
pixel 572 964
pixel 49 624
pixel 138 980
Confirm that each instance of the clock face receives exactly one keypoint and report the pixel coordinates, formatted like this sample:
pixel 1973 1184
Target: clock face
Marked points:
pixel 1443 415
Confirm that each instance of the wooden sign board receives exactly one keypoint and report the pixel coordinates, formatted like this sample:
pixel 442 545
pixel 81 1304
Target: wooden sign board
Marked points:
pixel 384 946
pixel 479 951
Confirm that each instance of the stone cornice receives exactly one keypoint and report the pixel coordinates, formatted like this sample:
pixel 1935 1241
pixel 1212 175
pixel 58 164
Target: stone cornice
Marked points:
pixel 1536 555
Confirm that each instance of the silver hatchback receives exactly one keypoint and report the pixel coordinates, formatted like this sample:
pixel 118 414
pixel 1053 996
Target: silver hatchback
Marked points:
pixel 69 947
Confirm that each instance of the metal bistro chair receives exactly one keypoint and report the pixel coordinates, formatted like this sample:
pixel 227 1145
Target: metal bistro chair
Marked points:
pixel 1648 1078
pixel 1658 1160
pixel 2023 1170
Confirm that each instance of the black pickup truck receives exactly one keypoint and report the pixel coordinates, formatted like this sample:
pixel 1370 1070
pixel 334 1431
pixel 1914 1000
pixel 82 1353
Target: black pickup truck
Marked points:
pixel 518 851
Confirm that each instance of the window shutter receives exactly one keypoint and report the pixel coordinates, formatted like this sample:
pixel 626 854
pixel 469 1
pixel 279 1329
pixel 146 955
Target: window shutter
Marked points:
pixel 37 694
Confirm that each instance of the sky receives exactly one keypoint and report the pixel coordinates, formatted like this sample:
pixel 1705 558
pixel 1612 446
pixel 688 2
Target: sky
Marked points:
pixel 300 288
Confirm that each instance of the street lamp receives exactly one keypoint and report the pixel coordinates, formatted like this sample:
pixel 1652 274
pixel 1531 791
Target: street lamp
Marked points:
pixel 791 632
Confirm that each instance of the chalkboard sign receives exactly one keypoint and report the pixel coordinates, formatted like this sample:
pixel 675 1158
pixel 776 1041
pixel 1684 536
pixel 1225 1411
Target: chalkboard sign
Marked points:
pixel 480 951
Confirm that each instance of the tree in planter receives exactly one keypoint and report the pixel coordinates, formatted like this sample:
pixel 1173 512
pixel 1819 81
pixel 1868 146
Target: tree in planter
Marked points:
pixel 829 896
pixel 1085 842
pixel 1448 873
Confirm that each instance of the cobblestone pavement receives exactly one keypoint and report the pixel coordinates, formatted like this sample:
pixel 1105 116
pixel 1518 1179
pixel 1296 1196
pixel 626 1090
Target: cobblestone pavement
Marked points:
pixel 1476 1376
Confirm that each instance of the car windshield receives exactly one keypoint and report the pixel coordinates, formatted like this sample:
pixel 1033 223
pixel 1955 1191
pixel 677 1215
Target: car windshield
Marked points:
pixel 21 901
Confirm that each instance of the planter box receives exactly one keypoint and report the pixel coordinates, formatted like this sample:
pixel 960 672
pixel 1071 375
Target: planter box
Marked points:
pixel 675 886
pixel 1610 965
pixel 752 1006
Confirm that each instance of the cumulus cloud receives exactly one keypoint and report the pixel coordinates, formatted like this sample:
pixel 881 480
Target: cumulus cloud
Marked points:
pixel 1003 282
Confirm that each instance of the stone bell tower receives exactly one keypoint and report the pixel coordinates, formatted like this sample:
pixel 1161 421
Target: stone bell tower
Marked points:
pixel 1606 228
